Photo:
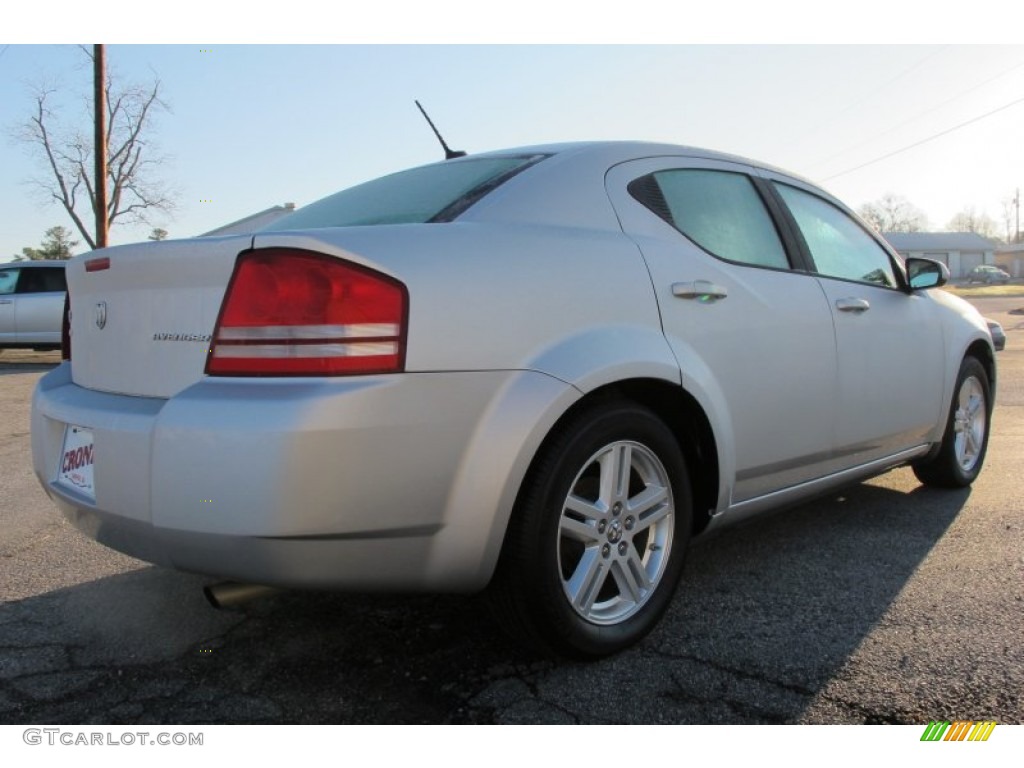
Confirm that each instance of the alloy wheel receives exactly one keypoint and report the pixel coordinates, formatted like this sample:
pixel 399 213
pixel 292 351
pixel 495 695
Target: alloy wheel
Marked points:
pixel 969 423
pixel 615 532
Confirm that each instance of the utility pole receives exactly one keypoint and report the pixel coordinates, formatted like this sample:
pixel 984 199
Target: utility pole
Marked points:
pixel 1016 203
pixel 99 63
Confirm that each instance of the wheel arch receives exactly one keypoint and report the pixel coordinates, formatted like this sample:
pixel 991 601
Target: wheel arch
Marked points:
pixel 633 362
pixel 685 418
pixel 983 352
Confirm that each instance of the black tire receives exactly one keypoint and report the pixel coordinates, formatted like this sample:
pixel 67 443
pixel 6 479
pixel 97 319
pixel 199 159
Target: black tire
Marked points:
pixel 590 580
pixel 965 440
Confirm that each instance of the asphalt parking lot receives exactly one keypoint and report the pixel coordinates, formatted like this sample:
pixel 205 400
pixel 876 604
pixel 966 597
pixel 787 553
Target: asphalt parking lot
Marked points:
pixel 887 603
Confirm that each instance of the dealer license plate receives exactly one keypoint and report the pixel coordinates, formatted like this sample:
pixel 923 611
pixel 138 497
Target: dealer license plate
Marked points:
pixel 76 461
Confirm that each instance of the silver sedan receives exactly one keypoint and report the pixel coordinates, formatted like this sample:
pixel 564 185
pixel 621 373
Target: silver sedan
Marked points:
pixel 541 371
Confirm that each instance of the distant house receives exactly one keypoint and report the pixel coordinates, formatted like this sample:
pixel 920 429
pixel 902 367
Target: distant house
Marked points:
pixel 960 251
pixel 1011 258
pixel 252 223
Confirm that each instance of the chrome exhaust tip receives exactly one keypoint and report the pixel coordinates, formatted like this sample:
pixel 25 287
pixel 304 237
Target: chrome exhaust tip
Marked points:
pixel 227 594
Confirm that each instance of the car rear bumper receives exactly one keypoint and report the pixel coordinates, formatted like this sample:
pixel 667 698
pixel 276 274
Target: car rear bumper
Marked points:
pixel 342 483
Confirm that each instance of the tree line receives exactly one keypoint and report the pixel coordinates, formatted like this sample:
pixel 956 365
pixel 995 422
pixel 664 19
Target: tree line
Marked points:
pixel 894 213
pixel 57 244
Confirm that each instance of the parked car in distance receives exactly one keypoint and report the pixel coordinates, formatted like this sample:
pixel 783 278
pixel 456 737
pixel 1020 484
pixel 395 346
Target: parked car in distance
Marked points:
pixel 540 371
pixel 31 304
pixel 986 273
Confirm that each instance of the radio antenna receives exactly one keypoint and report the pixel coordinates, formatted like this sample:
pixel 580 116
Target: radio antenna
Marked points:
pixel 449 153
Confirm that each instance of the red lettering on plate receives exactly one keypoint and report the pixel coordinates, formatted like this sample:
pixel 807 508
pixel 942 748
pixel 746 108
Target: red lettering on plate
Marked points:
pixel 77 458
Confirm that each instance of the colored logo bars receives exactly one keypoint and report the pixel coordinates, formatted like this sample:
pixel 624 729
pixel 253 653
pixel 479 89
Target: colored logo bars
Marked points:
pixel 959 730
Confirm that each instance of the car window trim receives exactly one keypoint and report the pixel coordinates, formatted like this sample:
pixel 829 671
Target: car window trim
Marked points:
pixel 785 224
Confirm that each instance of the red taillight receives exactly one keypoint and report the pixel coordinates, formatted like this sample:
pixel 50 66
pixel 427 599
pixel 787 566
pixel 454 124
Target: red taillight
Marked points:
pixel 65 329
pixel 297 313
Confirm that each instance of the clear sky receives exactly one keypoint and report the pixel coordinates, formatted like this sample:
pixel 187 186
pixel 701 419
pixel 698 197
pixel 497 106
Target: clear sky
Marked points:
pixel 256 125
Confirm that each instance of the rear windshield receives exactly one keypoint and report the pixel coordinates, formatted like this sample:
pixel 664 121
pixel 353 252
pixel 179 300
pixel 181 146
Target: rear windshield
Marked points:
pixel 431 193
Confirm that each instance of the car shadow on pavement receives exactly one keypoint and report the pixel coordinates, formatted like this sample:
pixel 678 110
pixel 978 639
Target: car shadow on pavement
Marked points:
pixel 765 617
pixel 146 647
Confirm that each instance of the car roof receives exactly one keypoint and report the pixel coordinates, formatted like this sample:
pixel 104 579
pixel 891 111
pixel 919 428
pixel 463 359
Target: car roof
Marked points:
pixel 612 152
pixel 568 189
pixel 35 264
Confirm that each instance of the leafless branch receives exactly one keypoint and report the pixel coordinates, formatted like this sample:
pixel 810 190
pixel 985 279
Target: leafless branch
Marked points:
pixel 134 188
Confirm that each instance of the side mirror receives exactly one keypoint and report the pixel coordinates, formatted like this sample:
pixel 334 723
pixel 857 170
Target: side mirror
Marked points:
pixel 926 273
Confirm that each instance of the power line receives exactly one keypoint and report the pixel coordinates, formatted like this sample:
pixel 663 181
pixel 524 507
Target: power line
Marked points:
pixel 925 141
pixel 873 93
pixel 919 115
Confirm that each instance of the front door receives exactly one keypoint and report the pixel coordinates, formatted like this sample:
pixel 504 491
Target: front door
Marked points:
pixel 889 343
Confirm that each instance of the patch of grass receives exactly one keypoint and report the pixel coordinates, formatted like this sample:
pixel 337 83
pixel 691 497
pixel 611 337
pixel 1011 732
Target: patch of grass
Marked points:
pixel 981 291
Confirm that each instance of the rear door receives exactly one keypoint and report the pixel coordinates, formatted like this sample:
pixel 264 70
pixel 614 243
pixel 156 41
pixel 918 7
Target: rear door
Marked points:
pixel 751 328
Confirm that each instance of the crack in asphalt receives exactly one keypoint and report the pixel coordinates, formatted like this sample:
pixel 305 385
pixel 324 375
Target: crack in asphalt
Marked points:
pixel 41 694
pixel 868 715
pixel 254 672
pixel 741 708
pixel 759 677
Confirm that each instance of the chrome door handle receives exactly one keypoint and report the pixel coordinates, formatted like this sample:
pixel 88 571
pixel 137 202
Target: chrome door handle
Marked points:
pixel 853 305
pixel 704 290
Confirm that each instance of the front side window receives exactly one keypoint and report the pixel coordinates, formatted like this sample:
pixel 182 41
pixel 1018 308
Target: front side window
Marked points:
pixel 838 245
pixel 438 192
pixel 720 211
pixel 8 280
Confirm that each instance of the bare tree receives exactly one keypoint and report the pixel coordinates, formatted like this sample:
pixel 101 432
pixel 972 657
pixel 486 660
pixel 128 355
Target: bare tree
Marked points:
pixel 134 190
pixel 969 220
pixel 893 213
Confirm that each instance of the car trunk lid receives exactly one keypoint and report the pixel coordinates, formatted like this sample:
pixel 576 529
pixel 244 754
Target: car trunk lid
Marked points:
pixel 142 315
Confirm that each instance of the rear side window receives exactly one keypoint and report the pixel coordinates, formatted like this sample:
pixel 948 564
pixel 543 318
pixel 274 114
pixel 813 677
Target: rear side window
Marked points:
pixel 720 211
pixel 42 280
pixel 438 192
